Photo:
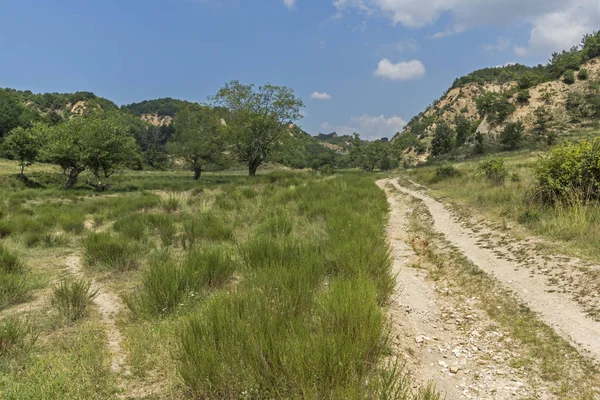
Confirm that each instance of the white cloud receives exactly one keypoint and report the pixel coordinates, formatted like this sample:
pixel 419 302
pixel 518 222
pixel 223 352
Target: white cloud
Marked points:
pixel 290 4
pixel 401 71
pixel 520 51
pixel 370 127
pixel 502 44
pixel 320 96
pixel 555 24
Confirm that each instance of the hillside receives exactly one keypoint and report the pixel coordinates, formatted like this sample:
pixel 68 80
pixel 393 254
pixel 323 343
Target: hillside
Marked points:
pixel 546 100
pixel 157 112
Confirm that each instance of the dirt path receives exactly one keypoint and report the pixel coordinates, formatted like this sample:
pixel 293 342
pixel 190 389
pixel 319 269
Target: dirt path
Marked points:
pixel 556 309
pixel 109 305
pixel 445 337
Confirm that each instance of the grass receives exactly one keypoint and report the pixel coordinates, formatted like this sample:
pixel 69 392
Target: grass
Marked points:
pixel 15 284
pixel 73 298
pixel 106 251
pixel 288 273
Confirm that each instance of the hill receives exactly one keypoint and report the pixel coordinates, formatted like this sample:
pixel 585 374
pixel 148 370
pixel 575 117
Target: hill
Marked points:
pixel 157 112
pixel 544 100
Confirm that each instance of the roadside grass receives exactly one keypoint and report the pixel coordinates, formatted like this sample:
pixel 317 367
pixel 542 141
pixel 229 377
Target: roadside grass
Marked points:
pixel 572 225
pixel 570 375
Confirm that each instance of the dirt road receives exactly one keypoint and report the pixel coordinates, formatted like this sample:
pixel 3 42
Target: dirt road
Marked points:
pixel 556 309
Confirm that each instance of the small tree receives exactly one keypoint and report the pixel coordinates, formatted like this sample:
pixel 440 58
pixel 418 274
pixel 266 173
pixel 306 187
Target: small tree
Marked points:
pixel 511 136
pixel 569 77
pixel 543 118
pixel 583 74
pixel 257 119
pixel 24 145
pixel 97 142
pixel 197 137
pixel 443 140
pixel 464 130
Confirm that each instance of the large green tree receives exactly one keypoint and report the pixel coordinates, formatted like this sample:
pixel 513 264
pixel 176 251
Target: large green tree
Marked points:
pixel 257 118
pixel 24 144
pixel 198 137
pixel 443 141
pixel 99 143
pixel 10 112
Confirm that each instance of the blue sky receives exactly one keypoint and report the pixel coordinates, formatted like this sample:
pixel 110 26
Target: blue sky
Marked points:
pixel 364 65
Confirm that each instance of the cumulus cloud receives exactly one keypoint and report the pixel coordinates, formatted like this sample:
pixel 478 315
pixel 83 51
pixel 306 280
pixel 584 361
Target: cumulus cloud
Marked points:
pixel 401 71
pixel 320 96
pixel 370 127
pixel 555 24
pixel 520 51
pixel 290 4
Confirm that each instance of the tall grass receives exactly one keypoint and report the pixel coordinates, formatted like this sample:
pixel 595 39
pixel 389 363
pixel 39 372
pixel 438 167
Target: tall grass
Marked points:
pixel 209 227
pixel 104 251
pixel 14 282
pixel 73 297
pixel 306 319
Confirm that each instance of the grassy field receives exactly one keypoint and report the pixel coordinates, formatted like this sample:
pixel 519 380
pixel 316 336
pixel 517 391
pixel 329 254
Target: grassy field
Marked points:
pixel 572 226
pixel 231 287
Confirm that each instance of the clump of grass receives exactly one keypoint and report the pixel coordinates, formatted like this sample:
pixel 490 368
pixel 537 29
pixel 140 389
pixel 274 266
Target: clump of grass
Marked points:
pixel 72 222
pixel 162 289
pixel 211 227
pixel 134 226
pixel 14 283
pixel 10 263
pixel 6 228
pixel 73 298
pixel 208 268
pixel 110 252
pixel 16 335
pixel 173 202
pixel 444 172
pixel 277 226
pixel 165 227
pixel 36 239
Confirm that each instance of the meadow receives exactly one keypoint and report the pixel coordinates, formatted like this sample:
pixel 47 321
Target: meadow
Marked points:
pixel 231 287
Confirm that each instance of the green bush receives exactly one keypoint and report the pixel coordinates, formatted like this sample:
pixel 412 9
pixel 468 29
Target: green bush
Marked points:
pixel 583 74
pixel 73 297
pixel 569 77
pixel 571 171
pixel 108 252
pixel 495 107
pixel 444 172
pixel 523 96
pixel 512 136
pixel 494 170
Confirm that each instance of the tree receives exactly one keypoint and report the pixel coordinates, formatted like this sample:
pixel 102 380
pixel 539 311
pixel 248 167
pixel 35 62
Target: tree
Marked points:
pixel 257 119
pixel 569 77
pixel 24 144
pixel 543 118
pixel 197 137
pixel 443 140
pixel 511 136
pixel 464 130
pixel 99 143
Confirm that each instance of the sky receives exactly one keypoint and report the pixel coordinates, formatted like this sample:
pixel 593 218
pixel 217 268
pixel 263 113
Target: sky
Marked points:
pixel 359 65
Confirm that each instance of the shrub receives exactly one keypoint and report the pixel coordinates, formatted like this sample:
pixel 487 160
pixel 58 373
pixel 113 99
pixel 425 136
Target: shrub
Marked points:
pixel 105 251
pixel 569 170
pixel 514 177
pixel 172 202
pixel 569 77
pixel 583 74
pixel 444 172
pixel 494 170
pixel 523 96
pixel 495 107
pixel 528 217
pixel 73 298
pixel 443 140
pixel 511 136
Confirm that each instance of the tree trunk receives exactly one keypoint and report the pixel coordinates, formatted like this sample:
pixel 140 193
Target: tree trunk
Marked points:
pixel 252 167
pixel 197 173
pixel 73 175
pixel 22 170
